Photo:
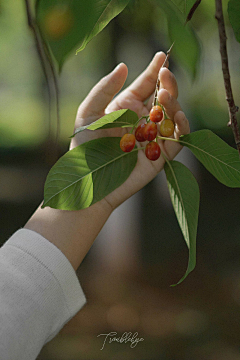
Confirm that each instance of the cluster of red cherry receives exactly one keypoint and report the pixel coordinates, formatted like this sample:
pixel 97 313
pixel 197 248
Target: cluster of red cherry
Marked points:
pixel 148 131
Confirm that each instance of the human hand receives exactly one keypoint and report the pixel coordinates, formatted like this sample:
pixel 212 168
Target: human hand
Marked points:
pixel 99 102
pixel 73 232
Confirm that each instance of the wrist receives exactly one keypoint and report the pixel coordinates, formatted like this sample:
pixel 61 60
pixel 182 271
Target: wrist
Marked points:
pixel 73 232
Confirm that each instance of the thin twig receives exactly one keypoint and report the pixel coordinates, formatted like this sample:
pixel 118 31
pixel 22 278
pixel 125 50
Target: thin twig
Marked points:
pixel 192 10
pixel 232 108
pixel 42 57
pixel 48 71
pixel 56 87
pixel 158 80
pixel 39 46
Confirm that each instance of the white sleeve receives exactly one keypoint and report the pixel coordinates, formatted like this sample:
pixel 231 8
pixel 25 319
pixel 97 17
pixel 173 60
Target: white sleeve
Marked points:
pixel 39 293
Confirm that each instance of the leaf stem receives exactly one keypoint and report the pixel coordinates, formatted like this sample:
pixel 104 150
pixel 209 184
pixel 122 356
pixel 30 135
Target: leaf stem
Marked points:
pixel 232 108
pixel 165 158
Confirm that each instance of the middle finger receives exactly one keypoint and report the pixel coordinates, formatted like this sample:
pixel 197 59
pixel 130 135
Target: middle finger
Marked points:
pixel 170 103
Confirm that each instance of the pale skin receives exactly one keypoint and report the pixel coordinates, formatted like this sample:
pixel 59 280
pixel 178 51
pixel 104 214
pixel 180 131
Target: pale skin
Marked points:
pixel 74 232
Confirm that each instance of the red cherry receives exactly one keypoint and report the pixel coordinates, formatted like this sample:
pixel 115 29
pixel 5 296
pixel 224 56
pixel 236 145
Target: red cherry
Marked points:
pixel 156 113
pixel 139 133
pixel 152 150
pixel 150 131
pixel 127 142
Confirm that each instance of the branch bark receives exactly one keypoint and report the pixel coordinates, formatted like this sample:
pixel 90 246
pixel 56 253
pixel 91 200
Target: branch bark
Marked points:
pixel 232 108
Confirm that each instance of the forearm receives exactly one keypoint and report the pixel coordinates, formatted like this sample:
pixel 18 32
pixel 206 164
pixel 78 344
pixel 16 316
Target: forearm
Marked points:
pixel 73 232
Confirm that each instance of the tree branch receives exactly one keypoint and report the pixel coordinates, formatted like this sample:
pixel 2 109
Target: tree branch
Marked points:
pixel 38 42
pixel 48 68
pixel 55 81
pixel 232 108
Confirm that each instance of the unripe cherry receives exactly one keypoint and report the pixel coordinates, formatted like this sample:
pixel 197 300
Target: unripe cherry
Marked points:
pixel 152 150
pixel 166 127
pixel 156 113
pixel 127 142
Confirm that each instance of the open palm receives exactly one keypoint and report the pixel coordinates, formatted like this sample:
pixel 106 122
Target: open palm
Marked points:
pixel 137 97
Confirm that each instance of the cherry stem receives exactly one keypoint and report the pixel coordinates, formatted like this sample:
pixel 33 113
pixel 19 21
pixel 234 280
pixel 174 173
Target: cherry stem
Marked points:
pixel 136 149
pixel 167 138
pixel 165 115
pixel 142 117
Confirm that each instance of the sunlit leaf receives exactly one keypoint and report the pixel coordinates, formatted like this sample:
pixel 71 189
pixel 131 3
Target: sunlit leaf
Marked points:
pixel 234 17
pixel 87 174
pixel 119 118
pixel 220 159
pixel 185 197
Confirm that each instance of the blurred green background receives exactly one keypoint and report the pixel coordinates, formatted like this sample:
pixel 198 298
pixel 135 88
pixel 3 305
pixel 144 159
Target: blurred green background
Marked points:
pixel 140 252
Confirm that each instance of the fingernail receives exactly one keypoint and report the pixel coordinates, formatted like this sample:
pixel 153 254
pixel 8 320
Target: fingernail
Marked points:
pixel 163 69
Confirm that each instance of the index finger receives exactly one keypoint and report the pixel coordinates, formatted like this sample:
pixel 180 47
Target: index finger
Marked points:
pixel 103 92
pixel 145 84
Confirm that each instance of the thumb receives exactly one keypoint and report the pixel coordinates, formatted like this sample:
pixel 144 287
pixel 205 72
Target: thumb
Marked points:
pixel 101 95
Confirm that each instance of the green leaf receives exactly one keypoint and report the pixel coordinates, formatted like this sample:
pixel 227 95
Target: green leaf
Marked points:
pixel 184 5
pixel 220 159
pixel 184 194
pixel 186 47
pixel 105 11
pixel 63 24
pixel 119 118
pixel 87 174
pixel 234 17
pixel 66 23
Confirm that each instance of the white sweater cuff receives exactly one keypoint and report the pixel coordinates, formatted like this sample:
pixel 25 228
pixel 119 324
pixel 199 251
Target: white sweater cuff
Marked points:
pixel 49 256
pixel 39 293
